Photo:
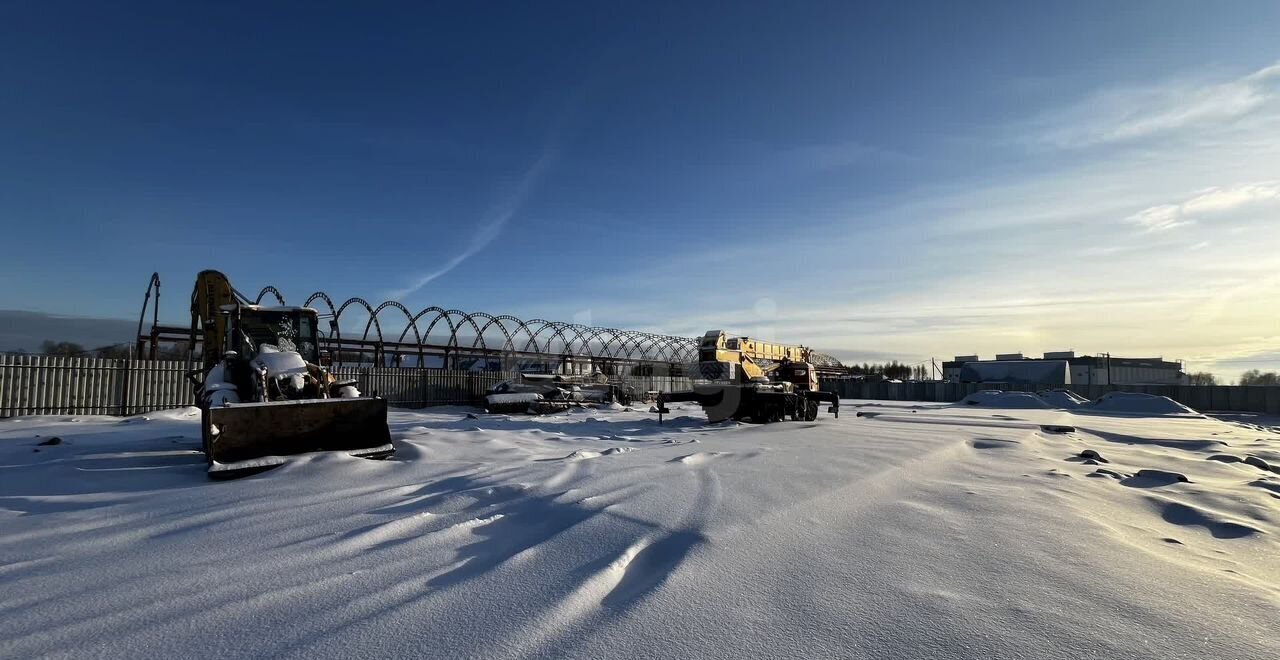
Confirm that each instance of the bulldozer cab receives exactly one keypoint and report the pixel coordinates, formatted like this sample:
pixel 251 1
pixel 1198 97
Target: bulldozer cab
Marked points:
pixel 286 328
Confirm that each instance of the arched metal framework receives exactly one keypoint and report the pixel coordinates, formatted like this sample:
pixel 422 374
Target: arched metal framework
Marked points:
pixel 455 334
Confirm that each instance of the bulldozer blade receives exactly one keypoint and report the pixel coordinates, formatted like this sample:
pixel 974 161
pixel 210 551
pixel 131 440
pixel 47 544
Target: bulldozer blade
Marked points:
pixel 251 437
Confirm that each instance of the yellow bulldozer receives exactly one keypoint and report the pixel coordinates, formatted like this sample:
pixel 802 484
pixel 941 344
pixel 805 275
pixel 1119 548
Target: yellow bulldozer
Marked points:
pixel 262 391
pixel 751 380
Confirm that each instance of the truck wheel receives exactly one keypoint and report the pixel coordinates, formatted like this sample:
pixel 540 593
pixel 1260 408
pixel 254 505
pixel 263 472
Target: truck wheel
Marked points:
pixel 810 411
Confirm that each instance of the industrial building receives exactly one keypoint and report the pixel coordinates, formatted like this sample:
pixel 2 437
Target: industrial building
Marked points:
pixel 1099 369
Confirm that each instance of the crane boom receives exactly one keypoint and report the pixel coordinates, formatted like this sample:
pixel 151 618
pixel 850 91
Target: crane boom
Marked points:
pixel 722 357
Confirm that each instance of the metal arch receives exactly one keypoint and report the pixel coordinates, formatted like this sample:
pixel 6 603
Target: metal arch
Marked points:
pixel 396 304
pixel 555 327
pixel 521 326
pixel 640 343
pixel 271 290
pixel 320 295
pixel 373 322
pixel 509 346
pixel 576 329
pixel 152 285
pixel 670 346
pixel 665 350
pixel 337 318
pixel 352 301
pixel 453 340
pixel 619 336
pixel 633 344
pixel 440 314
pixel 414 322
pixel 575 339
pixel 596 335
pixel 577 332
pixel 624 345
pixel 533 336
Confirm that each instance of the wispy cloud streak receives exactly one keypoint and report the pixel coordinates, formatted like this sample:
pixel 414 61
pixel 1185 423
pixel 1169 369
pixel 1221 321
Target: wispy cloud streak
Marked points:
pixel 496 220
pixel 1210 201
pixel 1129 113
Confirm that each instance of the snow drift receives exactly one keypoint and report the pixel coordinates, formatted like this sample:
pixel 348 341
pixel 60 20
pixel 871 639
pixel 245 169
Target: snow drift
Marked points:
pixel 1124 403
pixel 999 399
pixel 1138 403
pixel 916 531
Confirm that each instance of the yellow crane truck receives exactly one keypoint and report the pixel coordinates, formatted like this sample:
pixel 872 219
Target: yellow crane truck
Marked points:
pixel 751 380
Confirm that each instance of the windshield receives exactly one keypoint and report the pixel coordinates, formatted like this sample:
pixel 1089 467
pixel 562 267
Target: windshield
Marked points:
pixel 286 330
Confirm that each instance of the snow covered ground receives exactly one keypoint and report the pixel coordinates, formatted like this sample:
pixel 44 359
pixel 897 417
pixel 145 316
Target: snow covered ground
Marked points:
pixel 908 531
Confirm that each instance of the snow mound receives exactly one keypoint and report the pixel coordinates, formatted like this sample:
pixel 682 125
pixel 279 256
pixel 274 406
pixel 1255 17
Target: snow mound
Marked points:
pixel 1062 398
pixel 999 399
pixel 1138 403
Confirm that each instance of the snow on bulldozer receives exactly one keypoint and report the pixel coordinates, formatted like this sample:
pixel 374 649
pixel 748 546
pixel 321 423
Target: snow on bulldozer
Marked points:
pixel 262 391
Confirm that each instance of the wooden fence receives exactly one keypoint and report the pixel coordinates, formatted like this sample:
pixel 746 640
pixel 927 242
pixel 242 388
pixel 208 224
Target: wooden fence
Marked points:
pixel 48 385
pixel 1233 398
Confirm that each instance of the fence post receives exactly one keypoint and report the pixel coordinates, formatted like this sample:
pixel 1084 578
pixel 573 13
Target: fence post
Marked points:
pixel 124 386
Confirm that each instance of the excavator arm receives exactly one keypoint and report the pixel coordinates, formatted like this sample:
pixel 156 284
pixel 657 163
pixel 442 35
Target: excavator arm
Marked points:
pixel 212 291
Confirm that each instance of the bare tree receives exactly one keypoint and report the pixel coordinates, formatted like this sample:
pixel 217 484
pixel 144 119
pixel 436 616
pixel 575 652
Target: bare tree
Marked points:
pixel 1256 377
pixel 1202 378
pixel 117 352
pixel 61 348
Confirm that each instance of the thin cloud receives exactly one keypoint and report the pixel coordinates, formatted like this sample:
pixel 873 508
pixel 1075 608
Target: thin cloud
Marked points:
pixel 509 205
pixel 1125 114
pixel 1208 202
pixel 496 221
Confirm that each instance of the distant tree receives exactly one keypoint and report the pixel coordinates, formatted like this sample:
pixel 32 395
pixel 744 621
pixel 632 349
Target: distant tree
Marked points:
pixel 1202 378
pixel 176 351
pixel 61 348
pixel 1256 377
pixel 897 370
pixel 116 352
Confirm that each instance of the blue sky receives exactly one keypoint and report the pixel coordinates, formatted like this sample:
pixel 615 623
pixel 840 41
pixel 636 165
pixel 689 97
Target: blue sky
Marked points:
pixel 877 181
